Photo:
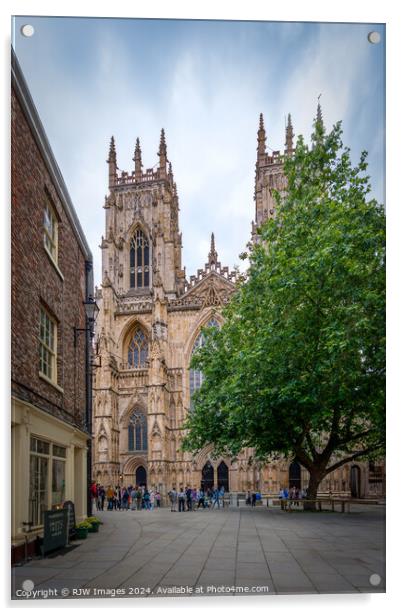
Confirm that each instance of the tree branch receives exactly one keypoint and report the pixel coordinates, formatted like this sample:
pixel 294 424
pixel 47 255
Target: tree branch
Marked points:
pixel 356 455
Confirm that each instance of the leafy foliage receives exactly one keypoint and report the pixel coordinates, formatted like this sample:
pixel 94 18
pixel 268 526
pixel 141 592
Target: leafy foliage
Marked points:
pixel 298 368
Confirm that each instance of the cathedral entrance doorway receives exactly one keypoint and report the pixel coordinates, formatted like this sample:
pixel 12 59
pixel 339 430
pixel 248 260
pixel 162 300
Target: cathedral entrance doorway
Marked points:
pixel 207 477
pixel 141 476
pixel 355 481
pixel 223 476
pixel 295 475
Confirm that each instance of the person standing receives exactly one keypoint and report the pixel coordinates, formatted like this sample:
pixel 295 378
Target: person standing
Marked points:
pixel 110 498
pixel 173 499
pixel 93 490
pixel 189 499
pixel 158 499
pixel 133 496
pixel 201 499
pixel 139 498
pixel 125 497
pixel 253 499
pixel 181 495
pixel 101 497
pixel 222 496
pixel 147 502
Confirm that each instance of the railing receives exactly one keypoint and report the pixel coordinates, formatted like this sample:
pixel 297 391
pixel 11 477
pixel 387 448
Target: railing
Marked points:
pixel 125 178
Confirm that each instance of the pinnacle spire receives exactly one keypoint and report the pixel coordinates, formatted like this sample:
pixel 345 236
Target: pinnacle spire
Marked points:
pixel 261 139
pixel 162 143
pixel 213 255
pixel 137 160
pixel 162 154
pixel 112 151
pixel 112 162
pixel 289 135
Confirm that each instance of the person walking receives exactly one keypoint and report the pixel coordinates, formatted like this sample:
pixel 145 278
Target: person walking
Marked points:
pixel 173 499
pixel 215 498
pixel 253 499
pixel 158 499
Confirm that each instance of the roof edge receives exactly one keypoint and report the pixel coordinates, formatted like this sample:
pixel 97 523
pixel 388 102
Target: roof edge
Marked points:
pixel 24 96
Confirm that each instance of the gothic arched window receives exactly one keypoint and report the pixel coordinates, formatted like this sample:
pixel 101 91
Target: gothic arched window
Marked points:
pixel 137 350
pixel 139 260
pixel 196 376
pixel 137 432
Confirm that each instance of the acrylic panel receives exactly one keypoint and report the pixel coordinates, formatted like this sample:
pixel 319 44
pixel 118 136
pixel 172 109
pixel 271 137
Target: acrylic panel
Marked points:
pixel 198 296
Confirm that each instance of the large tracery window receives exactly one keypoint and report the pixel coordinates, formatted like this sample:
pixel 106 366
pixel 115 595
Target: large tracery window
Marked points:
pixel 137 432
pixel 196 376
pixel 137 350
pixel 139 260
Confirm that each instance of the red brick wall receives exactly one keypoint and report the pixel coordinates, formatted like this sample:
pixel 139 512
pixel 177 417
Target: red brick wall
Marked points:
pixel 34 280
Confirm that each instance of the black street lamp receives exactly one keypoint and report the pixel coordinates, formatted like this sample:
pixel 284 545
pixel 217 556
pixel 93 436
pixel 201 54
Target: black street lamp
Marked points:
pixel 91 313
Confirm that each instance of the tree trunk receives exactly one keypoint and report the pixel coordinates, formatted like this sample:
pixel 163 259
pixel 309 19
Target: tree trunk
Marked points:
pixel 315 479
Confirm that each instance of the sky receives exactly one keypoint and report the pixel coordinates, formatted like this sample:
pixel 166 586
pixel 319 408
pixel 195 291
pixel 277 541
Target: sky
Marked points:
pixel 205 83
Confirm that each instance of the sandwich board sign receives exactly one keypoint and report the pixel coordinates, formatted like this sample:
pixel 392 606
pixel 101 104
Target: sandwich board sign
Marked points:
pixel 55 530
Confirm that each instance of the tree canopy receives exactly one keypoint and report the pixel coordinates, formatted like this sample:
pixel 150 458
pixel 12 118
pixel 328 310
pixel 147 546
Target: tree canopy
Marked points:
pixel 298 367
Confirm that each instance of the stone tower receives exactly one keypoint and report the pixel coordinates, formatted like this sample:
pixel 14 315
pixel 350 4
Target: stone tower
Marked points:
pixel 269 174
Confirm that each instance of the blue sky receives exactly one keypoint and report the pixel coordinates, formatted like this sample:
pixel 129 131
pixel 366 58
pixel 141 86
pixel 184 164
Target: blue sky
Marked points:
pixel 205 82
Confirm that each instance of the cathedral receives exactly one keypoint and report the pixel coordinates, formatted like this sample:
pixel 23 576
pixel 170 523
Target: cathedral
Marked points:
pixel 150 322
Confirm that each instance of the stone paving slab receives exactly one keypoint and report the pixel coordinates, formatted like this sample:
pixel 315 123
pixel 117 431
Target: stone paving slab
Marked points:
pixel 304 553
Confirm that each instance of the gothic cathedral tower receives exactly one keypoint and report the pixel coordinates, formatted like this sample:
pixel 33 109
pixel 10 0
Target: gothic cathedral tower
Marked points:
pixel 141 271
pixel 269 174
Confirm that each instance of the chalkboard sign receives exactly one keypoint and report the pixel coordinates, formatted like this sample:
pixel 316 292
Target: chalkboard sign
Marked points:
pixel 55 530
pixel 69 506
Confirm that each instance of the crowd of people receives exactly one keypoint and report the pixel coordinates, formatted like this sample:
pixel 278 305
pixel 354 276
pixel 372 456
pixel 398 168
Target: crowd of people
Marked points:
pixel 139 497
pixel 294 494
pixel 184 499
pixel 124 498
pixel 189 499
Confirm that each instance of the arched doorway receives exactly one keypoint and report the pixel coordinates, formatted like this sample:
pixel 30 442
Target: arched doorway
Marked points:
pixel 223 476
pixel 207 479
pixel 141 476
pixel 355 481
pixel 295 475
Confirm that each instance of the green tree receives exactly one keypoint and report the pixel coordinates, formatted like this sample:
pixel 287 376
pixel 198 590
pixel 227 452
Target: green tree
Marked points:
pixel 298 367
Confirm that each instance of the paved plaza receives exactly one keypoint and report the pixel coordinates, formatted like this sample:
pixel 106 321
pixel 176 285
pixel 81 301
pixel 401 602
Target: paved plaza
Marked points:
pixel 236 550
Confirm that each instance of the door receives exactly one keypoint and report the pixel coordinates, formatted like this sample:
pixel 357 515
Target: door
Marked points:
pixel 223 476
pixel 207 480
pixel 355 481
pixel 295 475
pixel 141 476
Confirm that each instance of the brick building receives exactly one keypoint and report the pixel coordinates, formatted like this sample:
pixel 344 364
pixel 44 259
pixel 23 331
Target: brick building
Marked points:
pixel 51 277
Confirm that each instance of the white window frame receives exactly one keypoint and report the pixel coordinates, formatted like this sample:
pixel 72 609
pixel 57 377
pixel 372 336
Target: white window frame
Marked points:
pixel 48 345
pixel 50 231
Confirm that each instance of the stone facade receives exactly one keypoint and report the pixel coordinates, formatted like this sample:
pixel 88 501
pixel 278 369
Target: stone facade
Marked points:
pixel 48 399
pixel 149 323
